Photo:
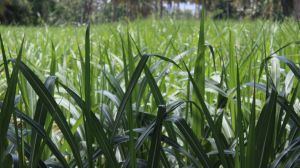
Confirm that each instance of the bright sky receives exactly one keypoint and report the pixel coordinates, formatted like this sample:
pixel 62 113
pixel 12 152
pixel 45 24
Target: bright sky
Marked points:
pixel 182 6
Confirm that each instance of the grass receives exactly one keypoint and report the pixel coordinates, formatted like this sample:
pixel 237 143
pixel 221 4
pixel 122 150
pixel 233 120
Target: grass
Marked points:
pixel 151 94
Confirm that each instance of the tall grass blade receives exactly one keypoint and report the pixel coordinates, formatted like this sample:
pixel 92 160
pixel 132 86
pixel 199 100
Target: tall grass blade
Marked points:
pixel 265 131
pixel 42 133
pixel 153 157
pixel 54 109
pixel 100 134
pixel 140 141
pixel 4 60
pixel 192 140
pixel 53 60
pixel 131 85
pixel 8 106
pixel 27 151
pixel 232 76
pixel 240 126
pixel 40 117
pixel 114 83
pixel 199 75
pixel 251 137
pixel 280 158
pixel 226 162
pixel 291 65
pixel 164 159
pixel 88 123
pixel 281 101
pixel 131 123
pixel 181 150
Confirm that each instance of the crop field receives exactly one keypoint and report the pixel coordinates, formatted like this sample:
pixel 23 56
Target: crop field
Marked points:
pixel 151 93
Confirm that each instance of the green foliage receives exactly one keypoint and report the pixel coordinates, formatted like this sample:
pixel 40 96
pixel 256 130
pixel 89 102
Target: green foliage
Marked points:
pixel 128 98
pixel 61 12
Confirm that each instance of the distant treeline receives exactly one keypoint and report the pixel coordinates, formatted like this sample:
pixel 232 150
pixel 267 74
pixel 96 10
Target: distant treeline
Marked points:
pixel 81 11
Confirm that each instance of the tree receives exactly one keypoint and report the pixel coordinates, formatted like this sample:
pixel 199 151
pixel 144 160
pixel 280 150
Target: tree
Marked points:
pixel 287 7
pixel 87 10
pixel 297 9
pixel 15 12
pixel 41 10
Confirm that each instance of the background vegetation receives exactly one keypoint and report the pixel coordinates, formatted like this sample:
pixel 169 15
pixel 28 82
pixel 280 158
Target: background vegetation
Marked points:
pixel 99 11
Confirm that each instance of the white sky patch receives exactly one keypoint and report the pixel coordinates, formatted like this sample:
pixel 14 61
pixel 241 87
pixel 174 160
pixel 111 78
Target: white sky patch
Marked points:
pixel 182 6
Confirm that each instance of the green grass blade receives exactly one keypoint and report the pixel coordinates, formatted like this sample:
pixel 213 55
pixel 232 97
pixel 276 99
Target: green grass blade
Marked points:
pixel 159 100
pixel 100 134
pixel 54 109
pixel 27 151
pixel 163 158
pixel 226 162
pixel 153 157
pixel 240 127
pixel 280 158
pixel 181 150
pixel 124 57
pixel 199 75
pixel 53 60
pixel 126 97
pixel 140 141
pixel 42 133
pixel 88 123
pixel 40 117
pixel 8 105
pixel 265 131
pixel 192 140
pixel 211 49
pixel 288 107
pixel 131 123
pixel 114 83
pixel 281 101
pixel 291 65
pixel 4 60
pixel 232 76
pixel 251 137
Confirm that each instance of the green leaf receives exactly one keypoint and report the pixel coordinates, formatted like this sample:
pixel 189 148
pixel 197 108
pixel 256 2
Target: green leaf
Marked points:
pixel 264 131
pixel 88 123
pixel 40 115
pixel 240 127
pixel 199 75
pixel 4 60
pixel 153 157
pixel 287 106
pixel 8 105
pixel 250 162
pixel 280 158
pixel 215 133
pixel 53 60
pixel 291 65
pixel 42 133
pixel 131 85
pixel 192 140
pixel 54 109
pixel 100 134
pixel 27 150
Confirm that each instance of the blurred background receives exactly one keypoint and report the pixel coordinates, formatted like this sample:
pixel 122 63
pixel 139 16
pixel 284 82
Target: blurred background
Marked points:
pixel 98 11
